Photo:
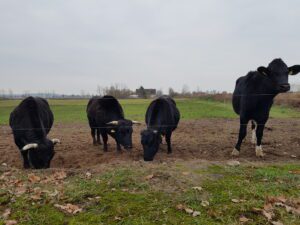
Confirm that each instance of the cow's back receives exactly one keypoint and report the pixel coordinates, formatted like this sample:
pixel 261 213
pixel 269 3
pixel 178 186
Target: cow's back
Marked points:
pixel 32 118
pixel 252 94
pixel 103 110
pixel 162 113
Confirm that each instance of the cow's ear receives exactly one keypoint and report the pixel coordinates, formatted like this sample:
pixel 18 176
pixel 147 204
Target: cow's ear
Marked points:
pixel 293 70
pixel 263 70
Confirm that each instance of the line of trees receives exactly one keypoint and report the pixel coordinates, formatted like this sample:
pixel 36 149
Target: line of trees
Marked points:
pixel 120 91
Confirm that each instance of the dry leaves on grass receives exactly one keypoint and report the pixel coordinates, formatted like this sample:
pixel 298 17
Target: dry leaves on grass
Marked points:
pixel 189 211
pixel 69 208
pixel 291 206
pixel 55 177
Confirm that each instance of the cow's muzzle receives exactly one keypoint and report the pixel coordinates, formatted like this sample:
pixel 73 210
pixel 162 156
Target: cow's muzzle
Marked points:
pixel 284 87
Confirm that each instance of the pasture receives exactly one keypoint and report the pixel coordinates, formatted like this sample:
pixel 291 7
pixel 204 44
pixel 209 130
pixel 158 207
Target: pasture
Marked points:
pixel 70 111
pixel 196 184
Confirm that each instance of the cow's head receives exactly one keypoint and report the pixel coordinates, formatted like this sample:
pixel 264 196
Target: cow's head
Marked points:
pixel 40 154
pixel 121 130
pixel 150 140
pixel 279 73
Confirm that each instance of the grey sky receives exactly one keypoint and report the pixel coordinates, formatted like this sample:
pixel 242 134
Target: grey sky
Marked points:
pixel 68 46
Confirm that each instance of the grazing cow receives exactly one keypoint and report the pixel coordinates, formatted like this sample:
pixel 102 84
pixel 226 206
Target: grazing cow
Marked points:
pixel 253 98
pixel 105 117
pixel 31 121
pixel 162 118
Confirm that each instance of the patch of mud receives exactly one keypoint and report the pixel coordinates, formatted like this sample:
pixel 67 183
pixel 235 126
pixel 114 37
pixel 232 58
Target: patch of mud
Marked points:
pixel 207 139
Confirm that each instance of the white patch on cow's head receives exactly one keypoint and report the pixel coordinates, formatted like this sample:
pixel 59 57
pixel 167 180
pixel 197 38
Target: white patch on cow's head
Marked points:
pixel 235 152
pixel 259 152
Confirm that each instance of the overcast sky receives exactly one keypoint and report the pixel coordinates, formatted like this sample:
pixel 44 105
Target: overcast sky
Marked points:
pixel 73 45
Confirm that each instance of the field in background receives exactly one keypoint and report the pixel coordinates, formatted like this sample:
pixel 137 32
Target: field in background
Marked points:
pixel 68 111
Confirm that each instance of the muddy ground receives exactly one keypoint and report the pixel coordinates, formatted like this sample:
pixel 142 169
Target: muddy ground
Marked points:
pixel 208 139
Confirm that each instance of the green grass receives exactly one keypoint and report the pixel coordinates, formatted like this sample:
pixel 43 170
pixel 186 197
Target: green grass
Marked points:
pixel 70 111
pixel 123 192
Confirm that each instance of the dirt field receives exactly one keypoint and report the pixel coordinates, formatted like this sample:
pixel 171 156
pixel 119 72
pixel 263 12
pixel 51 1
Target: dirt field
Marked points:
pixel 209 139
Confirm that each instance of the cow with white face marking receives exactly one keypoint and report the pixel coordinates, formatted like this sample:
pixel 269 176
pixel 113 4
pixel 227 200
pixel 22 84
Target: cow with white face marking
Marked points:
pixel 162 118
pixel 31 121
pixel 253 98
pixel 106 117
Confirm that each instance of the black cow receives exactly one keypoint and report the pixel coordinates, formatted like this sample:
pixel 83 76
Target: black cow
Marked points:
pixel 162 118
pixel 106 116
pixel 31 121
pixel 253 98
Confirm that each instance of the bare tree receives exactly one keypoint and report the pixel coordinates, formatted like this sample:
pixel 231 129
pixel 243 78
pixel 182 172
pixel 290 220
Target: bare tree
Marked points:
pixel 116 90
pixel 185 89
pixel 159 92
pixel 171 92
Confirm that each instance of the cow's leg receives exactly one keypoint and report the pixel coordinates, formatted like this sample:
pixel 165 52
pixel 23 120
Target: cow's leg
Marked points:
pixel 26 164
pixel 259 134
pixel 93 133
pixel 105 138
pixel 98 137
pixel 253 127
pixel 118 146
pixel 168 140
pixel 242 135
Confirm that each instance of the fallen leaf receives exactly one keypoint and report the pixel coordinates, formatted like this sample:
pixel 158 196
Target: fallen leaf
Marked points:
pixel 196 213
pixel 268 215
pixel 61 175
pixel 235 200
pixel 185 173
pixel 149 177
pixel 88 175
pixel 233 163
pixel 179 207
pixel 268 207
pixel 118 218
pixel 188 210
pixel 197 188
pixel 205 203
pixel 294 172
pixel 69 208
pixel 243 219
pixel 6 214
pixel 10 222
pixel 33 178
pixel 20 191
pixel 276 223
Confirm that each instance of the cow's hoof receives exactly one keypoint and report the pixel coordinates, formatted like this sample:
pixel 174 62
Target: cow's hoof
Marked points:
pixel 259 152
pixel 235 152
